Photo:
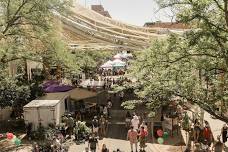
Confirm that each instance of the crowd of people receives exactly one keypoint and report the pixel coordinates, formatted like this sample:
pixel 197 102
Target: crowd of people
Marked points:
pixel 203 139
pixel 138 132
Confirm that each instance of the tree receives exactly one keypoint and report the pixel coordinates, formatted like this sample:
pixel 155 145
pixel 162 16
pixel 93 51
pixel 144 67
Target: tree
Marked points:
pixel 29 29
pixel 192 66
pixel 22 23
pixel 89 61
pixel 13 93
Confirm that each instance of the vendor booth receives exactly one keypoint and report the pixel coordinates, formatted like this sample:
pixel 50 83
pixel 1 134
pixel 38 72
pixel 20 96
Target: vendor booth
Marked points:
pixel 80 97
pixel 93 84
pixel 46 110
pixel 107 65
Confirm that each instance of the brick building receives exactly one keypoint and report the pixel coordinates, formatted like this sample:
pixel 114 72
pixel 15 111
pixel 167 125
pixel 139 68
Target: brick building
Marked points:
pixel 100 9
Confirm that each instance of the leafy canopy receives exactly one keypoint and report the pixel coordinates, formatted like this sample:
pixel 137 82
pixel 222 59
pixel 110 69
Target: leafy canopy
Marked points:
pixel 192 66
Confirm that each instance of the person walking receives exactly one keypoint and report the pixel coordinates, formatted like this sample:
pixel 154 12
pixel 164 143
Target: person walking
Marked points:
pixel 93 143
pixel 95 125
pixel 224 133
pixel 103 126
pixel 128 120
pixel 196 130
pixel 142 138
pixel 86 150
pixel 132 137
pixel 70 125
pixel 78 116
pixel 207 134
pixel 144 124
pixel 218 145
pixel 109 106
pixel 121 96
pixel 197 148
pixel 104 148
pixel 105 112
pixel 135 122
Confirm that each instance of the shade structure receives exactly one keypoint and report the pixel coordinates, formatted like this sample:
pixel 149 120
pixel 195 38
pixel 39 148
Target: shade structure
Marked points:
pixel 123 55
pixel 118 56
pixel 109 62
pixel 107 65
pixel 80 94
pixel 119 63
pixel 127 55
pixel 58 88
pixel 52 86
pixel 49 83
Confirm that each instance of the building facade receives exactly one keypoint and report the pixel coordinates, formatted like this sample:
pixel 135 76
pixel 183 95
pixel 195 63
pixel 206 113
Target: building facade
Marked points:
pixel 100 9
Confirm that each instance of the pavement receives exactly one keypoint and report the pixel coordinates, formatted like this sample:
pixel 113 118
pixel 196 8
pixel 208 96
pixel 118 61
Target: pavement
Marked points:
pixel 112 145
pixel 116 135
pixel 215 124
pixel 124 146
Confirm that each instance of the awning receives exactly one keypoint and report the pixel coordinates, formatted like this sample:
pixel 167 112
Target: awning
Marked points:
pixel 119 63
pixel 80 94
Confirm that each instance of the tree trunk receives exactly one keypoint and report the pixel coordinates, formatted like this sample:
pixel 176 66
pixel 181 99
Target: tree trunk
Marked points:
pixel 46 70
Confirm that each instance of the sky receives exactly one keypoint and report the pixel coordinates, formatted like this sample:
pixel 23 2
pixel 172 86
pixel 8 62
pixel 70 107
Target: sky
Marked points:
pixel 135 12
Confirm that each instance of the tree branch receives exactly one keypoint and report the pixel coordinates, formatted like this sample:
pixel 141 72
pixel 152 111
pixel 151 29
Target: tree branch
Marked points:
pixel 193 55
pixel 219 5
pixel 15 17
pixel 226 11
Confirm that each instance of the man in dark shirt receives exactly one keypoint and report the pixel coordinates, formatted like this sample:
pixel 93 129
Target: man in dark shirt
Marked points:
pixel 95 124
pixel 93 142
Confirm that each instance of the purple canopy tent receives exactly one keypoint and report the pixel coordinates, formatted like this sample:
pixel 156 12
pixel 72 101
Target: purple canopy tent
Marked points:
pixel 55 86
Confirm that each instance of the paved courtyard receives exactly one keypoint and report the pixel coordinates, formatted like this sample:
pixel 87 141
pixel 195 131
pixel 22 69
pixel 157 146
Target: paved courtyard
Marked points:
pixel 124 146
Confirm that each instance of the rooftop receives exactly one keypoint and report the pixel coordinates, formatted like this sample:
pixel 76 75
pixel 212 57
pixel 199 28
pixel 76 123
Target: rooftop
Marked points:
pixel 41 103
pixel 168 25
pixel 100 9
pixel 49 100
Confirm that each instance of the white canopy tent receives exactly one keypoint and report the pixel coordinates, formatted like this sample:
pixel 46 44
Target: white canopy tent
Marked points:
pixel 123 55
pixel 107 65
pixel 118 56
pixel 119 63
pixel 92 83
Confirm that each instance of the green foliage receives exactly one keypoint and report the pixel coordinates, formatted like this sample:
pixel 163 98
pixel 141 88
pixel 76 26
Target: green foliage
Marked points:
pixel 12 93
pixel 192 66
pixel 81 127
pixel 130 104
pixel 28 29
pixel 90 60
pixel 55 52
pixel 117 88
pixel 16 92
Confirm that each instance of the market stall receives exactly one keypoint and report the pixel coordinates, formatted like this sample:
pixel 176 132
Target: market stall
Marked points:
pixel 46 110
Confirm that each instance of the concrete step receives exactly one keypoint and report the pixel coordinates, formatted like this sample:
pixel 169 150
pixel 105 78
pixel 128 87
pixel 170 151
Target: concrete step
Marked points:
pixel 118 113
pixel 117 131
